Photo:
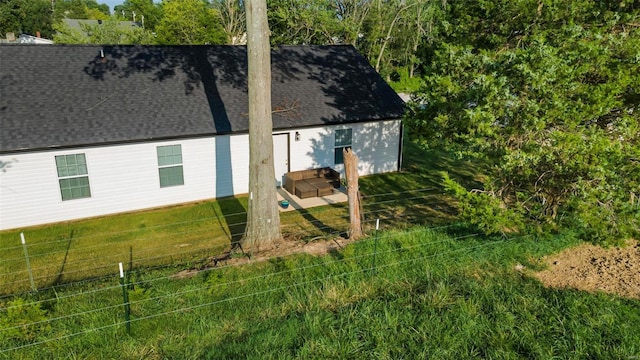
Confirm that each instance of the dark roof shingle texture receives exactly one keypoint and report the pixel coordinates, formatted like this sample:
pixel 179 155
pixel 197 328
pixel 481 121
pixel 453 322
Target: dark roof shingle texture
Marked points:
pixel 68 96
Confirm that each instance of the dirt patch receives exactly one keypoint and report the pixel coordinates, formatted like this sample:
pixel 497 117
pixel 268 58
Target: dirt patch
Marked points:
pixel 289 247
pixel 592 268
pixel 283 248
pixel 586 267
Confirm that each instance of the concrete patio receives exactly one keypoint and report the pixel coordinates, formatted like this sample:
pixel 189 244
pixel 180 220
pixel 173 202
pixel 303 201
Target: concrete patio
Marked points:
pixel 295 203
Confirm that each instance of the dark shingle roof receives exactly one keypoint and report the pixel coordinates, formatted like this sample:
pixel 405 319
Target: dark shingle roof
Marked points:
pixel 67 96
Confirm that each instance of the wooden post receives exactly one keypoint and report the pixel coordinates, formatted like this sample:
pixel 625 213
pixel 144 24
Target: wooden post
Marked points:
pixel 351 170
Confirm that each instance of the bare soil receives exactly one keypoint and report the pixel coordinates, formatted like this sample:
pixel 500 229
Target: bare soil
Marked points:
pixel 587 267
pixel 592 268
pixel 283 248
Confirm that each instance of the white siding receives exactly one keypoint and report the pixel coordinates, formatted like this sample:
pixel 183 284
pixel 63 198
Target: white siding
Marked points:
pixel 125 177
pixel 122 178
pixel 377 145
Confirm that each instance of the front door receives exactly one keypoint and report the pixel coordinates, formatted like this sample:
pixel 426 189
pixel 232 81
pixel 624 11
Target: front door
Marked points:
pixel 280 156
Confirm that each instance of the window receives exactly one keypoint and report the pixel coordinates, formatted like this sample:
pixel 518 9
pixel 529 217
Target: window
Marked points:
pixel 72 176
pixel 170 165
pixel 343 140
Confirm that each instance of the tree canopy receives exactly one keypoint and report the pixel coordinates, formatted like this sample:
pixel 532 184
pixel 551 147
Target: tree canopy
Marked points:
pixel 110 31
pixel 546 91
pixel 147 12
pixel 189 22
pixel 80 9
pixel 388 32
pixel 26 16
pixel 549 94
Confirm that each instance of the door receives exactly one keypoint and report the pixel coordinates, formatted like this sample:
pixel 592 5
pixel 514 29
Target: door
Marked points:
pixel 280 157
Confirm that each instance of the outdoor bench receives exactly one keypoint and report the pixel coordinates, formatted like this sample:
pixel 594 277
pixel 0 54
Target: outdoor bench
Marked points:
pixel 312 182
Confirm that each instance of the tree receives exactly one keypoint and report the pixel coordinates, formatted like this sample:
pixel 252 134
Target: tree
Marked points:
pixel 189 22
pixel 26 16
pixel 151 12
pixel 97 14
pixel 303 22
pixel 232 18
pixel 108 32
pixel 80 9
pixel 352 14
pixel 553 103
pixel 390 27
pixel 418 27
pixel 263 218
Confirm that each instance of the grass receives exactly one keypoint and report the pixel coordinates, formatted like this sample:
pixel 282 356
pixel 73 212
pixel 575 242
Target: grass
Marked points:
pixel 431 291
pixel 433 294
pixel 78 250
pixel 415 195
pixel 69 252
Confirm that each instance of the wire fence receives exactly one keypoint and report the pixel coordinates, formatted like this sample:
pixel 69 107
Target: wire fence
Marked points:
pixel 210 269
pixel 366 204
pixel 47 263
pixel 72 268
pixel 51 243
pixel 113 307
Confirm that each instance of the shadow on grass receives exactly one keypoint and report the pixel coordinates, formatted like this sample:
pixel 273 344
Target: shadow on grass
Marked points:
pixel 324 222
pixel 58 277
pixel 415 195
pixel 411 197
pixel 321 226
pixel 231 215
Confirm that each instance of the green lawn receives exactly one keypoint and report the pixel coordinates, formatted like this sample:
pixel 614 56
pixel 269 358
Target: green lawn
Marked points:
pixel 187 234
pixel 431 294
pixel 423 287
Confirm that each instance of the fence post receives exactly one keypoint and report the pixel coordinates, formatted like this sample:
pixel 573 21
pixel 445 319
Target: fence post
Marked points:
pixel 26 256
pixel 375 245
pixel 125 299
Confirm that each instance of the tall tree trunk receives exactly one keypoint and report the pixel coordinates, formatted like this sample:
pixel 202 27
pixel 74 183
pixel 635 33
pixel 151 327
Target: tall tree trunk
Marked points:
pixel 351 170
pixel 263 218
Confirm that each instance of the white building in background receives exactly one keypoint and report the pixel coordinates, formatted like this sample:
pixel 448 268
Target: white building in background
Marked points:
pixel 96 130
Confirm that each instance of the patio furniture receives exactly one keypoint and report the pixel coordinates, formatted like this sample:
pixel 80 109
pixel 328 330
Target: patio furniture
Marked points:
pixel 312 183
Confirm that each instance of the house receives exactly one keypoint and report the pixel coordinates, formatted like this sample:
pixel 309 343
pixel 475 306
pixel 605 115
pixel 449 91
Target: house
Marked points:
pixel 25 39
pixel 93 130
pixel 28 39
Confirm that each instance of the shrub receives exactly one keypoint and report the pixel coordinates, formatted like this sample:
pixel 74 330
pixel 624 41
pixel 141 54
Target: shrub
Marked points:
pixel 23 320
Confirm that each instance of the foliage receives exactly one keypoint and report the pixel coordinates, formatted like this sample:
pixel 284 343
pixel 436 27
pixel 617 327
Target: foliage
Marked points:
pixel 189 22
pixel 32 16
pixel 110 31
pixel 394 30
pixel 401 81
pixel 26 16
pixel 152 12
pixel 23 320
pixel 432 295
pixel 552 99
pixel 96 14
pixel 303 22
pixel 482 209
pixel 232 18
pixel 80 9
pixel 352 14
pixel 391 34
